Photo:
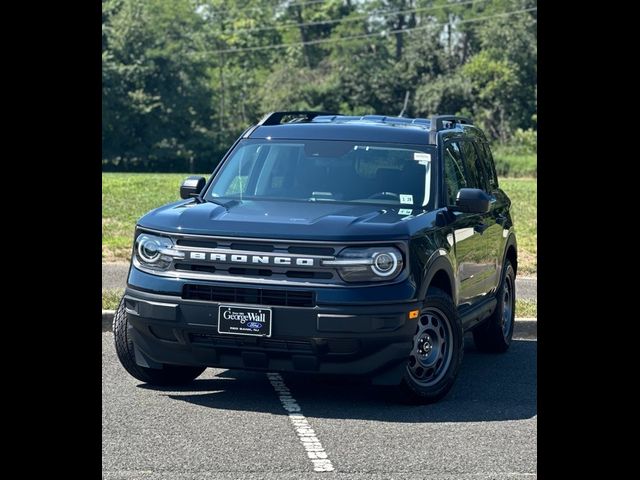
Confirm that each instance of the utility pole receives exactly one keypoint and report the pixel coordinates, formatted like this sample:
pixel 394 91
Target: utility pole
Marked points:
pixel 221 79
pixel 304 36
pixel 221 70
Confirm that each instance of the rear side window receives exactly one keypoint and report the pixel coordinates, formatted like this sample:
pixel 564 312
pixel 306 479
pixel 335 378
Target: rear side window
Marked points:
pixel 475 171
pixel 453 172
pixel 487 161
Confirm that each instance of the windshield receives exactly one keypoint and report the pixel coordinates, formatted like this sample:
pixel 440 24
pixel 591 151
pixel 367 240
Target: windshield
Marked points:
pixel 326 171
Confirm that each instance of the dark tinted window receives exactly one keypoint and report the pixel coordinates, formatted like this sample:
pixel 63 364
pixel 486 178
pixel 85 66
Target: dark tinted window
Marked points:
pixel 475 171
pixel 454 178
pixel 487 164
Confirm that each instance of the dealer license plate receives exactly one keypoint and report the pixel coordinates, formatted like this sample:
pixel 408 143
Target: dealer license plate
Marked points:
pixel 241 320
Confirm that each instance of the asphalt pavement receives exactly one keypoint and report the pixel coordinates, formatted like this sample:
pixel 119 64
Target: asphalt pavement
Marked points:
pixel 114 275
pixel 242 425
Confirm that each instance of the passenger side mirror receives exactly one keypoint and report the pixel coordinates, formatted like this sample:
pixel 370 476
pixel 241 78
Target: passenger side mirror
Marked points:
pixel 473 200
pixel 192 186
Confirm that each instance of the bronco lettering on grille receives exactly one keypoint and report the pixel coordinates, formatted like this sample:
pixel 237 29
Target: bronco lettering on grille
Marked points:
pixel 251 259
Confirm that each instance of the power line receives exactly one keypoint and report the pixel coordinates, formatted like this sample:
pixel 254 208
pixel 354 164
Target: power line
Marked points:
pixel 388 13
pixel 280 3
pixel 273 6
pixel 309 2
pixel 367 35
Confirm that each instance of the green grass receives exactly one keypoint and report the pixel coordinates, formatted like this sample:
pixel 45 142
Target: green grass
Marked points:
pixel 510 164
pixel 111 298
pixel 125 198
pixel 523 193
pixel 526 308
pixel 128 196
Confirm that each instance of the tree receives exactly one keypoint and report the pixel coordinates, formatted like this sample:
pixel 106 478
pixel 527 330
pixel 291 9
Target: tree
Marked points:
pixel 493 86
pixel 156 101
pixel 183 78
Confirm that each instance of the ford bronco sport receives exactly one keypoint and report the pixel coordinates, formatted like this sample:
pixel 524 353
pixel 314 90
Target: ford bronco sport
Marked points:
pixel 327 244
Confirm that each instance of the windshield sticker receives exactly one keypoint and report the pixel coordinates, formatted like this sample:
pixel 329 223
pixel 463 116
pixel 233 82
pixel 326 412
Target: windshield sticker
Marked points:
pixel 422 157
pixel 405 211
pixel 406 199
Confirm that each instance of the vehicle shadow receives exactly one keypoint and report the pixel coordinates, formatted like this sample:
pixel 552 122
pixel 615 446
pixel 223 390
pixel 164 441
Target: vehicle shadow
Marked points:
pixel 488 388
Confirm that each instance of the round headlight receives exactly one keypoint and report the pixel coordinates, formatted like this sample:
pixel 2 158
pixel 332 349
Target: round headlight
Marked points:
pixel 149 249
pixel 367 264
pixel 384 264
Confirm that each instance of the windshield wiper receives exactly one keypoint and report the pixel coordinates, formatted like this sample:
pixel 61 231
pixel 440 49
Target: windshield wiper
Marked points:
pixel 226 205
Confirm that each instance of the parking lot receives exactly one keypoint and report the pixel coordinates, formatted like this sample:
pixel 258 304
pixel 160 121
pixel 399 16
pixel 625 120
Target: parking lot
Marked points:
pixel 236 424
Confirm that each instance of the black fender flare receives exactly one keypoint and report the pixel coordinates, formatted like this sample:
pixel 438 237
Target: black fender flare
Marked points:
pixel 511 242
pixel 439 260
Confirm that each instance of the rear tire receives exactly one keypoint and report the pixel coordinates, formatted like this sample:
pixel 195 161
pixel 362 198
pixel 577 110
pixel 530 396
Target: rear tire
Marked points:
pixel 495 334
pixel 167 375
pixel 437 351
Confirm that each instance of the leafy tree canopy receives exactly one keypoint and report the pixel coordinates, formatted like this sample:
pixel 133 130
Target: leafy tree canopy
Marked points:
pixel 183 78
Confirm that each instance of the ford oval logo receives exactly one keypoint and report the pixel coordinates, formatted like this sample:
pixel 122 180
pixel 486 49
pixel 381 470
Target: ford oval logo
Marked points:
pixel 254 325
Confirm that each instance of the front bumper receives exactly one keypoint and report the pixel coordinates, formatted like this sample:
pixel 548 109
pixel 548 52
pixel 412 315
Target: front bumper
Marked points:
pixel 363 340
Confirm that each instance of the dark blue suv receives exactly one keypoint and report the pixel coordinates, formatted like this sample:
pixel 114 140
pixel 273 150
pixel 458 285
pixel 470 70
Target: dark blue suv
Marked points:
pixel 327 244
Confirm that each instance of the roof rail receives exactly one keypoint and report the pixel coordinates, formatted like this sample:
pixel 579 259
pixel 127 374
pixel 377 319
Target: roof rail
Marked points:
pixel 438 124
pixel 275 118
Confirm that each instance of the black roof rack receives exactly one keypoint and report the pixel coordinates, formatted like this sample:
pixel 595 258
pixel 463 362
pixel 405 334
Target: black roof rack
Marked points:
pixel 433 125
pixel 275 118
pixel 445 122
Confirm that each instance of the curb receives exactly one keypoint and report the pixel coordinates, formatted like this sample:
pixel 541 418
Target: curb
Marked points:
pixel 107 319
pixel 525 328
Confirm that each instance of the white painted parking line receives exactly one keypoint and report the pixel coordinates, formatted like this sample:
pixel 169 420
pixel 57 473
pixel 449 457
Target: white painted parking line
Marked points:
pixel 306 435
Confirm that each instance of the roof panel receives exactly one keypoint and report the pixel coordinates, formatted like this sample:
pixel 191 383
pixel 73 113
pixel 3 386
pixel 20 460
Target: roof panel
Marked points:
pixel 360 130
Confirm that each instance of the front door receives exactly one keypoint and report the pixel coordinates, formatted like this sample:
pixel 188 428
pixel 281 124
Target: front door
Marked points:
pixel 474 235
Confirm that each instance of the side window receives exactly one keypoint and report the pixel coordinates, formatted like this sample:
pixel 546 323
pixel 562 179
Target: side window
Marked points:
pixel 490 167
pixel 475 171
pixel 484 167
pixel 453 171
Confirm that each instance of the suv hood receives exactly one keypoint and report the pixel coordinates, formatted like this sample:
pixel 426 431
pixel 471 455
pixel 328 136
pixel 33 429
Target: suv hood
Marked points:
pixel 281 219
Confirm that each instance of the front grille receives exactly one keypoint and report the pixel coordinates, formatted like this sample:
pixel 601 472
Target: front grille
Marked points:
pixel 276 263
pixel 252 247
pixel 305 274
pixel 283 272
pixel 256 272
pixel 302 346
pixel 305 250
pixel 254 296
pixel 333 346
pixel 187 242
pixel 252 272
pixel 195 267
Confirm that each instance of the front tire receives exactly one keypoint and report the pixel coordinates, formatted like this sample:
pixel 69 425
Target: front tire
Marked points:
pixel 167 375
pixel 437 351
pixel 495 334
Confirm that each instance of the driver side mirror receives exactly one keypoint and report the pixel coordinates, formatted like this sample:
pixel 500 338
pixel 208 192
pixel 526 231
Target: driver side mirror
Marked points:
pixel 473 200
pixel 192 186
